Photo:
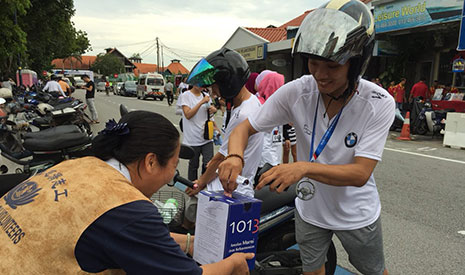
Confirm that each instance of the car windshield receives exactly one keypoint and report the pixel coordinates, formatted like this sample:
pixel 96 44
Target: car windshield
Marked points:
pixel 155 81
pixel 130 84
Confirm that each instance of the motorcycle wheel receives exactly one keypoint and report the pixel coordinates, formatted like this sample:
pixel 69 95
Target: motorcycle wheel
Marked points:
pixel 421 129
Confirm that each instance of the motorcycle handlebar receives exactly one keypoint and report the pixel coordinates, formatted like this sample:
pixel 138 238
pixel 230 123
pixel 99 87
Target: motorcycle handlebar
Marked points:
pixel 186 182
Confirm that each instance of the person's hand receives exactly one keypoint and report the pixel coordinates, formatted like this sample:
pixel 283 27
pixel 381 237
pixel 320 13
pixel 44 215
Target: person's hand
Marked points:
pixel 283 175
pixel 287 145
pixel 212 110
pixel 228 171
pixel 239 262
pixel 205 99
pixel 192 192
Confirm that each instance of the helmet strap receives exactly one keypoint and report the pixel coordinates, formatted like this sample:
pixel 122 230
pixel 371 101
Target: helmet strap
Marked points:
pixel 229 104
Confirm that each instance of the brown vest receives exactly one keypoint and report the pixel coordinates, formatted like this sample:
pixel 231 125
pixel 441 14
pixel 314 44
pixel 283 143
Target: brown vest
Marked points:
pixel 42 218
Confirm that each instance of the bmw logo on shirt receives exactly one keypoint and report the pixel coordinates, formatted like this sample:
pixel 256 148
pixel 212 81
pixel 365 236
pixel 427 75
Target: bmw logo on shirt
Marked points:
pixel 351 139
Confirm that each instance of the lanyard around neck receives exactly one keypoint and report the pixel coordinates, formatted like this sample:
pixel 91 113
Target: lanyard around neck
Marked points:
pixel 324 140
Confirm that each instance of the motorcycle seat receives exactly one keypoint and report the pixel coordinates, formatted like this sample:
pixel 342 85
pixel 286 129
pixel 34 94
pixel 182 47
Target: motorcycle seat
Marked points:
pixel 272 200
pixel 57 142
pixel 51 133
pixel 42 120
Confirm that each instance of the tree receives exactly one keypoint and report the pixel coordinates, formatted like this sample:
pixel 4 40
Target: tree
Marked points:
pixel 13 38
pixel 51 34
pixel 108 64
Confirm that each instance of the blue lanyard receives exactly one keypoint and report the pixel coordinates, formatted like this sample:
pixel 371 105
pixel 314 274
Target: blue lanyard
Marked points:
pixel 324 140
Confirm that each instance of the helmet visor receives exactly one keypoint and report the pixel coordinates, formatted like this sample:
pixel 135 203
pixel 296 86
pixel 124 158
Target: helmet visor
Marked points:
pixel 202 74
pixel 330 34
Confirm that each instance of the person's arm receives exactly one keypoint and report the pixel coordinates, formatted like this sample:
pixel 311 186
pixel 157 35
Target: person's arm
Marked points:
pixel 61 90
pixel 190 112
pixel 208 175
pixel 354 174
pixel 234 264
pixel 47 86
pixel 181 239
pixel 232 167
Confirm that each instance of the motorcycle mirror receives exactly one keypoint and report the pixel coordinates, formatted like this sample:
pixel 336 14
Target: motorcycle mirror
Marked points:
pixel 123 110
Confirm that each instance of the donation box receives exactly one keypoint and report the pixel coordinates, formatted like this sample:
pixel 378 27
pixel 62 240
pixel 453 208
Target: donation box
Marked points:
pixel 225 225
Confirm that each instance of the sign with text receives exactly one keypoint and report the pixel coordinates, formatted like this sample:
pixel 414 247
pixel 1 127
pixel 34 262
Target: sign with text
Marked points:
pixel 257 52
pixel 225 225
pixel 406 14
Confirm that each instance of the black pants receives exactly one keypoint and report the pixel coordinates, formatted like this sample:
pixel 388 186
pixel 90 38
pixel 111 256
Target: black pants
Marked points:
pixel 169 98
pixel 206 151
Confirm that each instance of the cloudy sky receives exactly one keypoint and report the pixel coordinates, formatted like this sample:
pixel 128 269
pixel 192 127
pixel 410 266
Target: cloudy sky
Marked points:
pixel 188 29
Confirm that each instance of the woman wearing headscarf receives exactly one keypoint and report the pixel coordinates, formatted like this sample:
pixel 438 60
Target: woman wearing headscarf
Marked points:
pixel 272 142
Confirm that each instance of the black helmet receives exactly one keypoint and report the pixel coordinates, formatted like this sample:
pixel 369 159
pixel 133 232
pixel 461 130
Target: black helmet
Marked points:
pixel 339 31
pixel 225 67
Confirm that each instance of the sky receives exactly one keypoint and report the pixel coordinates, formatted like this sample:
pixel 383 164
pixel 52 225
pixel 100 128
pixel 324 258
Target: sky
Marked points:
pixel 188 29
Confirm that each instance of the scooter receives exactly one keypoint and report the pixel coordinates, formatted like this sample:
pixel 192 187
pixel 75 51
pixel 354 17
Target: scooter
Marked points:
pixel 37 151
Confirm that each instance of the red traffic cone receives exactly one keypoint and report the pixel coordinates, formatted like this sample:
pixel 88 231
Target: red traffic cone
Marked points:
pixel 405 133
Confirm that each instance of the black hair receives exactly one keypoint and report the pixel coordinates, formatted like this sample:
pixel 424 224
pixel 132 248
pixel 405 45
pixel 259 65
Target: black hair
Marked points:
pixel 149 132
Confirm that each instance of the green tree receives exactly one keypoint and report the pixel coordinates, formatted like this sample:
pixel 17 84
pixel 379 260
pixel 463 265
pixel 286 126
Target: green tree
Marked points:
pixel 108 64
pixel 51 33
pixel 13 38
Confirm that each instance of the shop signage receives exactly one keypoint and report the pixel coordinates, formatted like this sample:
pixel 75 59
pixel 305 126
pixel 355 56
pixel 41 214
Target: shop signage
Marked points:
pixel 461 44
pixel 257 52
pixel 458 65
pixel 407 14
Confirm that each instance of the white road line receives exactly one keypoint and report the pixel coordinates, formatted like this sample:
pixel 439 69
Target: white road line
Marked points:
pixel 426 156
pixel 461 232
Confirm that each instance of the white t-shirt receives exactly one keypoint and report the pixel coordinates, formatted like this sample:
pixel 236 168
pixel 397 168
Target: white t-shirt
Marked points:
pixel 193 128
pixel 179 111
pixel 272 147
pixel 53 86
pixel 253 151
pixel 361 132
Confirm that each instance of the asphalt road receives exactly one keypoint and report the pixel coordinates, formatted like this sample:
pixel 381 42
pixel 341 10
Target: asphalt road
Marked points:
pixel 422 189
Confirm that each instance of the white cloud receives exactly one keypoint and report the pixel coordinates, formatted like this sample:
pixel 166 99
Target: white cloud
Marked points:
pixel 198 27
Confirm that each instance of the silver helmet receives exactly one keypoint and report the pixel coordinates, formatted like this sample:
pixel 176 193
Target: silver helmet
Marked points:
pixel 339 31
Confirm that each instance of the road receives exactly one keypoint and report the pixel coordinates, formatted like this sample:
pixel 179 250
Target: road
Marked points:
pixel 422 192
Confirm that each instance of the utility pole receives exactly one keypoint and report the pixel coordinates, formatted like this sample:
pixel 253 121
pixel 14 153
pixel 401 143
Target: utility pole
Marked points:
pixel 162 59
pixel 158 57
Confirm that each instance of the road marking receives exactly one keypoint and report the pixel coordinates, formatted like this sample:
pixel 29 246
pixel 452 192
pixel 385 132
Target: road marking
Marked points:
pixel 426 149
pixel 423 155
pixel 461 232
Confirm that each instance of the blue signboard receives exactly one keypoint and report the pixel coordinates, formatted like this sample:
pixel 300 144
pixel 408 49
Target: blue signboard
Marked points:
pixel 406 14
pixel 461 44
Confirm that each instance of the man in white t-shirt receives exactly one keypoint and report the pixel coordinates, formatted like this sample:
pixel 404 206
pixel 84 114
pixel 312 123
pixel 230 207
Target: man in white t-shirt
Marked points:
pixel 196 107
pixel 227 75
pixel 53 86
pixel 349 118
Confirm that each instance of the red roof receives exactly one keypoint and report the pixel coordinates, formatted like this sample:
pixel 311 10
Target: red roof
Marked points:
pixel 143 68
pixel 73 63
pixel 270 34
pixel 177 68
pixel 296 21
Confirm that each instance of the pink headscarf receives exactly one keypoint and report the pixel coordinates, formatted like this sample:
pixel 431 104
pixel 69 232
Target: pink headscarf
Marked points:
pixel 260 77
pixel 250 85
pixel 270 83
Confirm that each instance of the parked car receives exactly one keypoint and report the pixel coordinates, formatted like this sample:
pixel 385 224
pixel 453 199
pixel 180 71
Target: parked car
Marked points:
pixel 100 87
pixel 129 88
pixel 117 88
pixel 78 82
pixel 151 85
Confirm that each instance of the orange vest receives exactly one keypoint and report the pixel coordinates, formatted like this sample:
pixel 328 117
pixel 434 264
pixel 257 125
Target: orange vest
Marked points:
pixel 42 219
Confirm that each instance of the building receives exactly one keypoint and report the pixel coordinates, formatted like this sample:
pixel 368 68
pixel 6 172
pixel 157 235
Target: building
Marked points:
pixel 417 39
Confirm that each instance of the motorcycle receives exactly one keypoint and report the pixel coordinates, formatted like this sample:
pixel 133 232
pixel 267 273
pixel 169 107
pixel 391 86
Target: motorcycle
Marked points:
pixel 425 119
pixel 37 151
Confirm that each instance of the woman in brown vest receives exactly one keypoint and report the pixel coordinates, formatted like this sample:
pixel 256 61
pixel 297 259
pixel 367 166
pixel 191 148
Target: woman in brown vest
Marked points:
pixel 94 214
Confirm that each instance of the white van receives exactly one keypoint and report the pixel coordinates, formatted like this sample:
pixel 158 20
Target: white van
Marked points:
pixel 151 85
